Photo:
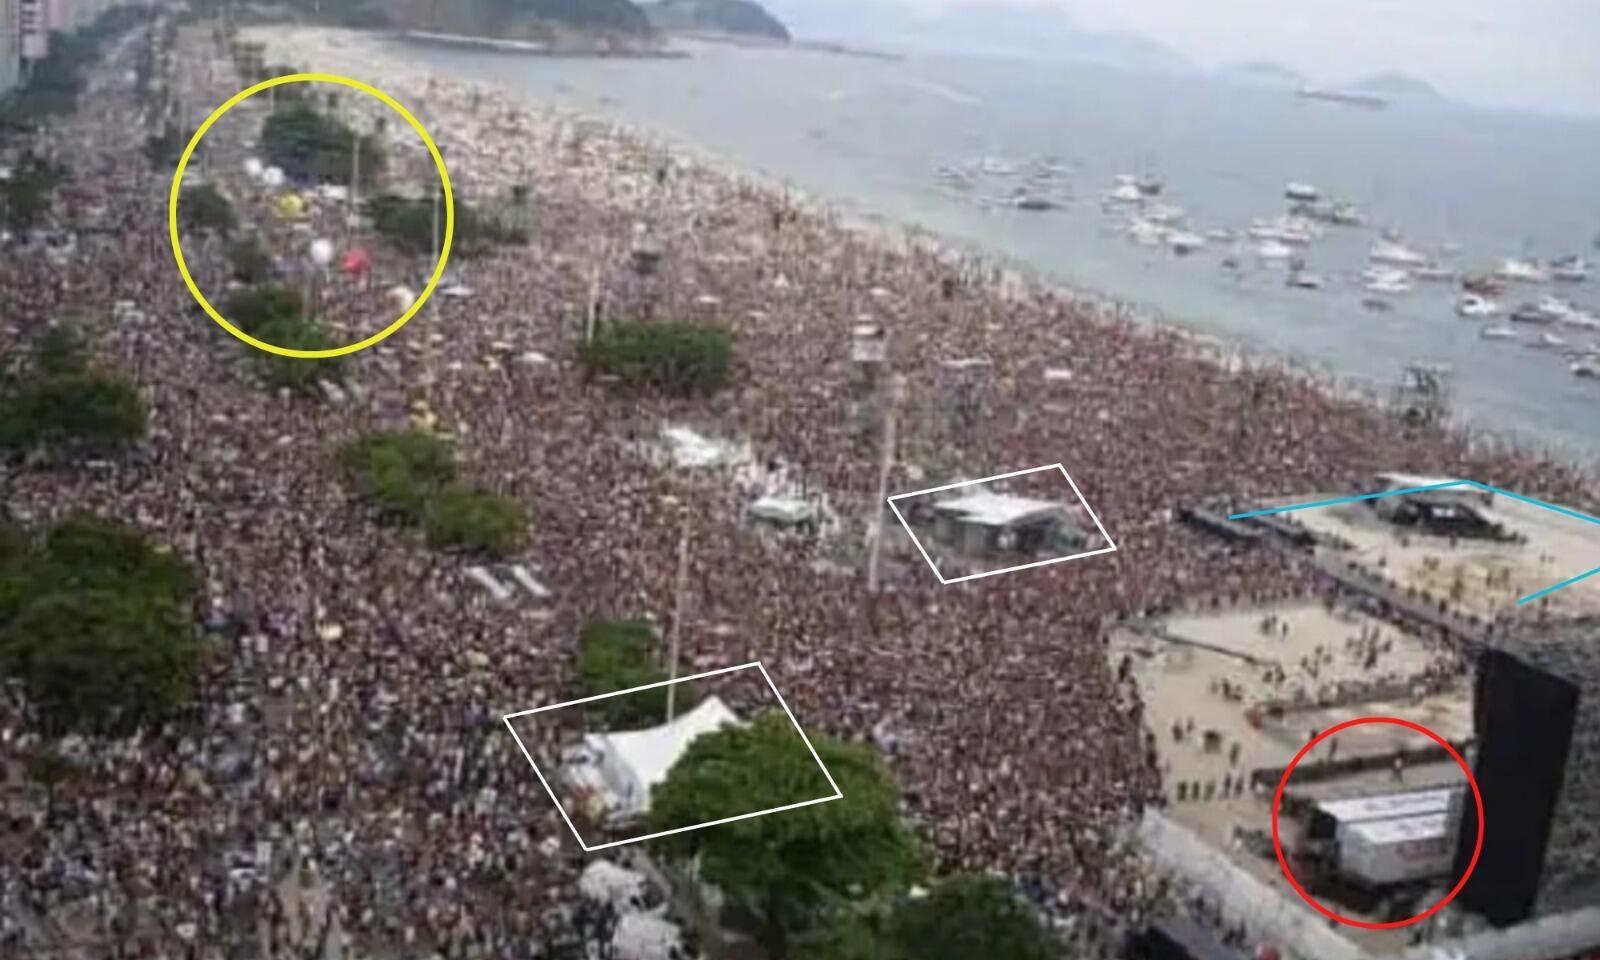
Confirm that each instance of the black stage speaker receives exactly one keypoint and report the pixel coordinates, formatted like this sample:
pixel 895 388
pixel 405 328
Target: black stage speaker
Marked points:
pixel 1524 718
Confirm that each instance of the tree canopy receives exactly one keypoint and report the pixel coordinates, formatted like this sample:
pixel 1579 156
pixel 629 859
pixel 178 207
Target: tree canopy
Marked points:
pixel 408 223
pixel 794 872
pixel 671 356
pixel 274 313
pixel 203 207
pixel 96 623
pixel 476 521
pixel 60 402
pixel 620 655
pixel 311 146
pixel 962 917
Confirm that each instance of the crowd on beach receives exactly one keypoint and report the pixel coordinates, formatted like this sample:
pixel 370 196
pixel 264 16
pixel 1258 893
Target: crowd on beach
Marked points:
pixel 348 777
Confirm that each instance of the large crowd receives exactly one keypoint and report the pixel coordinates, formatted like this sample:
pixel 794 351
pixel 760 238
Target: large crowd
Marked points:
pixel 348 774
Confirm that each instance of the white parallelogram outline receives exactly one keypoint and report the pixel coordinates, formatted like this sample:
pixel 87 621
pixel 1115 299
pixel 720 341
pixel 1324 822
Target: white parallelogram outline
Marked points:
pixel 837 794
pixel 1021 566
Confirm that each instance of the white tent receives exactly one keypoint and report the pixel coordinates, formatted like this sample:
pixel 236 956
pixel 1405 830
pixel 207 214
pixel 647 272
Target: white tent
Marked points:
pixel 641 936
pixel 633 761
pixel 606 882
pixel 997 509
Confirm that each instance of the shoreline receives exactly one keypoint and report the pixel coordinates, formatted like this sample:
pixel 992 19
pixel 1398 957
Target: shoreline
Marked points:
pixel 533 48
pixel 1016 277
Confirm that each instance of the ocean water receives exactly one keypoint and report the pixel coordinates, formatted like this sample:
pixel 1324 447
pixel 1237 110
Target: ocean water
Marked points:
pixel 869 135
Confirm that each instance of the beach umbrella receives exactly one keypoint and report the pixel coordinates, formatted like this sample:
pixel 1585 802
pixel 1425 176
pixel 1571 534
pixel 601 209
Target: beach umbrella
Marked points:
pixel 356 260
pixel 402 296
pixel 272 177
pixel 254 167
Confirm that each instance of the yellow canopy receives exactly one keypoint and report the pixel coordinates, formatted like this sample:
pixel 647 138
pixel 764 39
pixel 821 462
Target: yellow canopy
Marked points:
pixel 291 206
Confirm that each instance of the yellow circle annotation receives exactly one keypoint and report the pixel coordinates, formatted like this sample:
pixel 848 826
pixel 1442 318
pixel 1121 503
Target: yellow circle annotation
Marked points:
pixel 444 249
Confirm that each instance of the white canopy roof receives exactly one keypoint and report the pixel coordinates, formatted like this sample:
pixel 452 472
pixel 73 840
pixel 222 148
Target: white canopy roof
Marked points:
pixel 997 509
pixel 634 761
pixel 642 936
pixel 787 510
pixel 607 882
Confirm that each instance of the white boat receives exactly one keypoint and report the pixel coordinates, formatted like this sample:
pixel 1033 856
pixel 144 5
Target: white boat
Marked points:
pixel 1434 270
pixel 1149 184
pixel 1556 308
pixel 1393 251
pixel 1123 193
pixel 1532 313
pixel 1395 283
pixel 1524 271
pixel 1548 341
pixel 1163 213
pixel 1384 275
pixel 1294 230
pixel 1274 250
pixel 1183 242
pixel 997 167
pixel 1587 368
pixel 1476 305
pixel 1573 269
pixel 1302 191
pixel 1500 332
pixel 1147 234
pixel 1221 235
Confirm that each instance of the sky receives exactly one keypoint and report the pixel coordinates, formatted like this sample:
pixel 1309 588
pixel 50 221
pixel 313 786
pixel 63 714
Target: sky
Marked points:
pixel 1539 54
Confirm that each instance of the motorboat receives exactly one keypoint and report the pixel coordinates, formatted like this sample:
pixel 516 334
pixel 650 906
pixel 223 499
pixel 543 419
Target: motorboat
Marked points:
pixel 1124 193
pixel 1395 282
pixel 1221 235
pixel 997 167
pixel 1557 308
pixel 1185 242
pixel 1291 229
pixel 1482 283
pixel 1548 341
pixel 1147 234
pixel 1587 368
pixel 1573 269
pixel 1163 213
pixel 1148 184
pixel 1329 211
pixel 1476 305
pixel 1521 271
pixel 1304 192
pixel 1274 250
pixel 1532 313
pixel 1497 332
pixel 1304 279
pixel 1034 203
pixel 1393 251
pixel 1377 304
pixel 1434 270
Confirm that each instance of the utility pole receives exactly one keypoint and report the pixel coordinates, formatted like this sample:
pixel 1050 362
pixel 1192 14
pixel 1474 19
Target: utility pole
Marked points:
pixel 678 613
pixel 885 465
pixel 355 177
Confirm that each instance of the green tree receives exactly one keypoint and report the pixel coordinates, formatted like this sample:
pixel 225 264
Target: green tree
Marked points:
pixel 300 374
pixel 961 917
pixel 203 207
pixel 25 196
pixel 797 872
pixel 87 413
pixel 399 471
pixel 255 308
pixel 620 655
pixel 313 146
pixel 408 223
pixel 96 624
pixel 250 261
pixel 463 518
pixel 671 356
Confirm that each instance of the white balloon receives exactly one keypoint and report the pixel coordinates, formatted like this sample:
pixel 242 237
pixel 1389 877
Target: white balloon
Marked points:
pixel 322 251
pixel 253 167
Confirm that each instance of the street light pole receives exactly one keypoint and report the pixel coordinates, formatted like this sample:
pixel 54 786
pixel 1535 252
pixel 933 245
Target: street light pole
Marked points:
pixel 885 466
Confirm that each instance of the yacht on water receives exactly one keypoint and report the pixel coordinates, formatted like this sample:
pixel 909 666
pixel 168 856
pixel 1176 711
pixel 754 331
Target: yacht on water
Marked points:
pixel 1587 368
pixel 1548 341
pixel 1163 213
pixel 1524 271
pixel 1289 229
pixel 1033 202
pixel 1533 313
pixel 1274 250
pixel 1482 283
pixel 1148 184
pixel 1146 233
pixel 1476 305
pixel 1573 269
pixel 1393 251
pixel 1126 191
pixel 997 167
pixel 1302 191
pixel 1392 281
pixel 1497 332
pixel 1185 242
pixel 1433 270
pixel 1304 279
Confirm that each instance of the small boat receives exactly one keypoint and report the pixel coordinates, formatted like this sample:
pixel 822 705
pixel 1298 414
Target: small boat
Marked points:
pixel 1500 332
pixel 1397 282
pixel 1548 341
pixel 1377 304
pixel 1521 271
pixel 1304 192
pixel 1483 284
pixel 997 167
pixel 1163 213
pixel 1034 203
pixel 1573 269
pixel 1393 251
pixel 1304 279
pixel 1148 184
pixel 1290 229
pixel 1221 235
pixel 1587 368
pixel 1147 234
pixel 1531 313
pixel 1274 250
pixel 1476 305
pixel 1557 308
pixel 1434 270
pixel 1123 193
pixel 1184 242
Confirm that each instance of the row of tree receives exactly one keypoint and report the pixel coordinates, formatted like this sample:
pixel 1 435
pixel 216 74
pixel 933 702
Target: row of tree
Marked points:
pixel 60 404
pixel 278 314
pixel 410 478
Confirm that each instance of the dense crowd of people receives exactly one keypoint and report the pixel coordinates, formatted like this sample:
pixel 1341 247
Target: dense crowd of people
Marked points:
pixel 348 774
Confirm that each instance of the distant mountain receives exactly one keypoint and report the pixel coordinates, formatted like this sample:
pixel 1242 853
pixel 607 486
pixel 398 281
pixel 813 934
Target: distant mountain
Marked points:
pixel 1263 72
pixel 740 17
pixel 516 18
pixel 980 27
pixel 1398 86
